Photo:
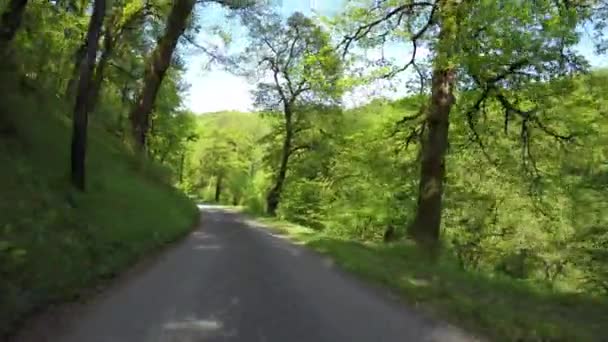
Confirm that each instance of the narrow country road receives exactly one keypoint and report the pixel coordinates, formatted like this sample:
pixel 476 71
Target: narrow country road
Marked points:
pixel 232 281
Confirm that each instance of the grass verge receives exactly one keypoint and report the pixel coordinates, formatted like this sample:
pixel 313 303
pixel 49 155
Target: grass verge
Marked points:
pixel 497 308
pixel 55 242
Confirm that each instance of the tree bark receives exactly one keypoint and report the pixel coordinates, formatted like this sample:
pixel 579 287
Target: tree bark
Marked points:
pixel 80 119
pixel 274 196
pixel 425 229
pixel 108 47
pixel 79 57
pixel 218 188
pixel 156 68
pixel 10 21
pixel 182 162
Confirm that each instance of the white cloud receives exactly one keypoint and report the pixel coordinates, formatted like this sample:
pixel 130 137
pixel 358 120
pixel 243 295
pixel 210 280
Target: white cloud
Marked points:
pixel 216 90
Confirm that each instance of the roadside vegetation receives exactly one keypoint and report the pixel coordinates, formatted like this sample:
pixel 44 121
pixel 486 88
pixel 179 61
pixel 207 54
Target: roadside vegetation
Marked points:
pixel 522 243
pixel 493 306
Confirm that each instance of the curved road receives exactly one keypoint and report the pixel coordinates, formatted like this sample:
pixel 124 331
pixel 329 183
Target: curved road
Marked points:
pixel 233 281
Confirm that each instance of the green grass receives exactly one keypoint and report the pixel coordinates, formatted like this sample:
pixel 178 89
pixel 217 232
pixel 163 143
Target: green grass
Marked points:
pixel 495 308
pixel 54 242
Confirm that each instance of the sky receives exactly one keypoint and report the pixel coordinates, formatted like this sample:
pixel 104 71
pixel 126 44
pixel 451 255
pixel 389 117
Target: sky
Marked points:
pixel 213 89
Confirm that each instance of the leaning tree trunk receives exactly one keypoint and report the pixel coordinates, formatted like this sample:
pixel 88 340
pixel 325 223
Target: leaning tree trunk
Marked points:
pixel 111 37
pixel 427 224
pixel 108 47
pixel 274 196
pixel 10 21
pixel 80 119
pixel 156 68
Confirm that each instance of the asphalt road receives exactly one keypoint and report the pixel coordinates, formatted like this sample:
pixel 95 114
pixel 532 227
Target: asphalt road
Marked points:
pixel 233 281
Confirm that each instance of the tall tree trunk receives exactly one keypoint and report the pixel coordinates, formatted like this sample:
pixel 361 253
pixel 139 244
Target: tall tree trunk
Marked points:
pixel 274 196
pixel 80 119
pixel 182 161
pixel 156 68
pixel 427 224
pixel 108 47
pixel 10 21
pixel 218 188
pixel 79 57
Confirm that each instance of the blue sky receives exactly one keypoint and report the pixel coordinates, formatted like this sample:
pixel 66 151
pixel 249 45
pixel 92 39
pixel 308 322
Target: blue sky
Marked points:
pixel 217 90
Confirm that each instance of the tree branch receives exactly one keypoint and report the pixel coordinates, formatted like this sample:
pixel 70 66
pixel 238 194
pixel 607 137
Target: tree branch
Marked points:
pixel 477 107
pixel 364 30
pixel 530 115
pixel 124 71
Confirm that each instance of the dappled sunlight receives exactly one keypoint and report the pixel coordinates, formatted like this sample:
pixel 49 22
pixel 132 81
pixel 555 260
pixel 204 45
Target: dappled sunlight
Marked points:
pixel 212 207
pixel 208 247
pixel 194 325
pixel 190 330
pixel 196 329
pixel 329 263
pixel 202 235
pixel 416 282
pixel 217 208
pixel 293 251
pixel 448 333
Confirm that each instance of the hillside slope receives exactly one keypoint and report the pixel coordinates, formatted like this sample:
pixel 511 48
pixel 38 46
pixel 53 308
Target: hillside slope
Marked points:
pixel 55 242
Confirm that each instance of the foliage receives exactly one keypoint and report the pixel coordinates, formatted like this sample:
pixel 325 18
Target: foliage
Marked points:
pixel 228 148
pixel 536 213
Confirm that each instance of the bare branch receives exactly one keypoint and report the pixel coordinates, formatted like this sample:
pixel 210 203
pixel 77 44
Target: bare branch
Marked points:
pixel 476 108
pixel 411 117
pixel 364 30
pixel 214 56
pixel 124 71
pixel 530 116
pixel 295 149
pixel 412 62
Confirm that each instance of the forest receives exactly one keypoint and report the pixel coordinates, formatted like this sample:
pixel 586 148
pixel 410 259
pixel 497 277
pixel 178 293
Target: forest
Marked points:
pixel 487 178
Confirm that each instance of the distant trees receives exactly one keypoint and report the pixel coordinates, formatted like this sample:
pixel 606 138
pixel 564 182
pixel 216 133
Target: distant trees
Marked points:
pixel 223 163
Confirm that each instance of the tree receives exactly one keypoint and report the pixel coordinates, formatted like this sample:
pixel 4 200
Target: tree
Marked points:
pixel 122 19
pixel 493 48
pixel 156 67
pixel 10 21
pixel 302 68
pixel 159 62
pixel 80 119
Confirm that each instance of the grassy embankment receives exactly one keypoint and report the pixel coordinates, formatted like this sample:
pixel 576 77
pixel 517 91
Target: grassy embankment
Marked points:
pixel 55 242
